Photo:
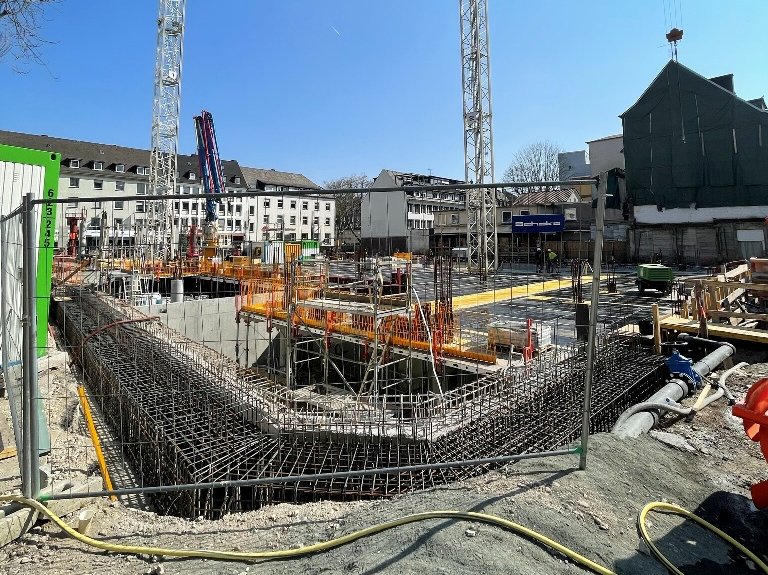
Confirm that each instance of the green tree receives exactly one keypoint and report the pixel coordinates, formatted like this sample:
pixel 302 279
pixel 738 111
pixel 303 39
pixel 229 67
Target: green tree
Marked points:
pixel 348 205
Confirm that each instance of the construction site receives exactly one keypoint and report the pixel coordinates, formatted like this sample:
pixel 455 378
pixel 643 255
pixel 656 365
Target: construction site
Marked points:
pixel 210 398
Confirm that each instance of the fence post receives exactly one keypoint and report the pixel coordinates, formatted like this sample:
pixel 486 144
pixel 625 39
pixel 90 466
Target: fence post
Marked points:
pixel 591 336
pixel 4 304
pixel 31 441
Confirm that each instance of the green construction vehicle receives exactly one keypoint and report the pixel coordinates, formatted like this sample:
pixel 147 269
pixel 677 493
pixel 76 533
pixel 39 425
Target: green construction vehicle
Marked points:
pixel 654 276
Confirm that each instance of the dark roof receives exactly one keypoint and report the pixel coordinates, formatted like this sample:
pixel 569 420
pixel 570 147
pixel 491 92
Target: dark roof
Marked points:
pixel 111 155
pixel 557 196
pixel 232 171
pixel 411 179
pixel 673 64
pixel 257 178
pixel 758 103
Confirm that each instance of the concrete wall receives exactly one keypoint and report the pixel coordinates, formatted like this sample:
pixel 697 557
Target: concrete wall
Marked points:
pixel 573 164
pixel 698 244
pixel 212 323
pixel 652 215
pixel 606 154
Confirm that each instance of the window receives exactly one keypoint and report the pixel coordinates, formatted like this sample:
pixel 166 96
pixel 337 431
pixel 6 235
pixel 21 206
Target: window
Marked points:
pixel 120 186
pixel 119 205
pixel 194 208
pixel 327 207
pixel 192 176
pixel 317 205
pixel 327 237
pixel 304 220
pixel 250 227
pixel 74 163
pixel 118 222
pixel 304 236
pixel 237 179
pixel 98 184
pixel 98 165
pixel 239 210
pixel 304 205
pixel 293 204
pixel 119 167
pixel 280 219
pixel 269 188
pixel 265 219
pixel 250 211
pixel 266 202
pixel 229 209
pixel 143 170
pixel 292 237
pixel 454 218
pixel 140 207
pixel 74 182
pixel 315 220
pixel 175 206
pixel 327 221
pixel 141 189
pixel 185 206
pixel 238 225
pixel 266 235
pixel 280 203
pixel 221 208
pixel 525 212
pixel 221 223
pixel 293 219
pixel 506 217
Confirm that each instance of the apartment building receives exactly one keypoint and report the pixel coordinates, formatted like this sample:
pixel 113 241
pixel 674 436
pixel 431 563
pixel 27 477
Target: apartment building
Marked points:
pixel 405 220
pixel 297 210
pixel 90 170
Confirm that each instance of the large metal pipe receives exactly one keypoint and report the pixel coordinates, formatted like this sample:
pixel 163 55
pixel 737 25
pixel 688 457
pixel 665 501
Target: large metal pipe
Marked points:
pixel 638 423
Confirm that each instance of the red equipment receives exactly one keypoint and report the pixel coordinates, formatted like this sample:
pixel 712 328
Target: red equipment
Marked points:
pixel 754 412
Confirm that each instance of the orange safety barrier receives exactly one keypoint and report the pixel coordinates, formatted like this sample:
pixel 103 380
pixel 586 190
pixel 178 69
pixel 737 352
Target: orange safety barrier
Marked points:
pixel 754 413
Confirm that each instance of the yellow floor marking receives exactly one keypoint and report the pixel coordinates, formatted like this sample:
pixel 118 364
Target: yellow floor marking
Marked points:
pixel 501 294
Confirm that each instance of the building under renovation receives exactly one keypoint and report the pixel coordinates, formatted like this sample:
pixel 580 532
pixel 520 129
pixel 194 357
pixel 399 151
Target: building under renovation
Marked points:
pixel 697 170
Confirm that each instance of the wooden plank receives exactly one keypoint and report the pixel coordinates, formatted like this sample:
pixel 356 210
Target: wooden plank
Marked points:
pixel 715 330
pixel 656 328
pixel 734 314
pixel 7 453
pixel 738 285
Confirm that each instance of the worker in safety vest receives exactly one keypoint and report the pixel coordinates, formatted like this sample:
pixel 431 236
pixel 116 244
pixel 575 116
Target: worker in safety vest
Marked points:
pixel 551 259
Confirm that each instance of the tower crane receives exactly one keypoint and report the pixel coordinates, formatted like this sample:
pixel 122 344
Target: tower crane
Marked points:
pixel 165 124
pixel 478 136
pixel 212 178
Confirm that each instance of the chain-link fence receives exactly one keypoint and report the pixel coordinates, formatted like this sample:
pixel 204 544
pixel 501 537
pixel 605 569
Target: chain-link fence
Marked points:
pixel 233 373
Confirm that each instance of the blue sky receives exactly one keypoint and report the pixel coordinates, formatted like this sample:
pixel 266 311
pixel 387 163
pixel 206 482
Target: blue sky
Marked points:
pixel 330 88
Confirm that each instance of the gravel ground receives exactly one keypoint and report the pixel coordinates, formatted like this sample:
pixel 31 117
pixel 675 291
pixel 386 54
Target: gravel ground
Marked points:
pixel 706 466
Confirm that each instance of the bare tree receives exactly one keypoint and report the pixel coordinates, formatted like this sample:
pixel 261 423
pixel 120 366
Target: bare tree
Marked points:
pixel 536 162
pixel 348 205
pixel 19 29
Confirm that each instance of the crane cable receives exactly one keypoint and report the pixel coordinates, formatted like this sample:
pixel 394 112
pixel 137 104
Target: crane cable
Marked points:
pixel 349 538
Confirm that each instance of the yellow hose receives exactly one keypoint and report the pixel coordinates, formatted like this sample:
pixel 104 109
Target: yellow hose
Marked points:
pixel 349 538
pixel 670 508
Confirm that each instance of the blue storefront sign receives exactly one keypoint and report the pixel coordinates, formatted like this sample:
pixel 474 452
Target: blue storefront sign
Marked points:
pixel 538 224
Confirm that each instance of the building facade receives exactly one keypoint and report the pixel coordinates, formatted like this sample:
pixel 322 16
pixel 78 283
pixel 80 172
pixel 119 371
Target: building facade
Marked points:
pixel 696 170
pixel 90 170
pixel 405 220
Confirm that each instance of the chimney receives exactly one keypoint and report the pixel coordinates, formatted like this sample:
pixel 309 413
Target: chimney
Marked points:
pixel 724 82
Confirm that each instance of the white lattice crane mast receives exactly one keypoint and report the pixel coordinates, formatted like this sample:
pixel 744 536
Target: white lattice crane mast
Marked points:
pixel 165 123
pixel 478 135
